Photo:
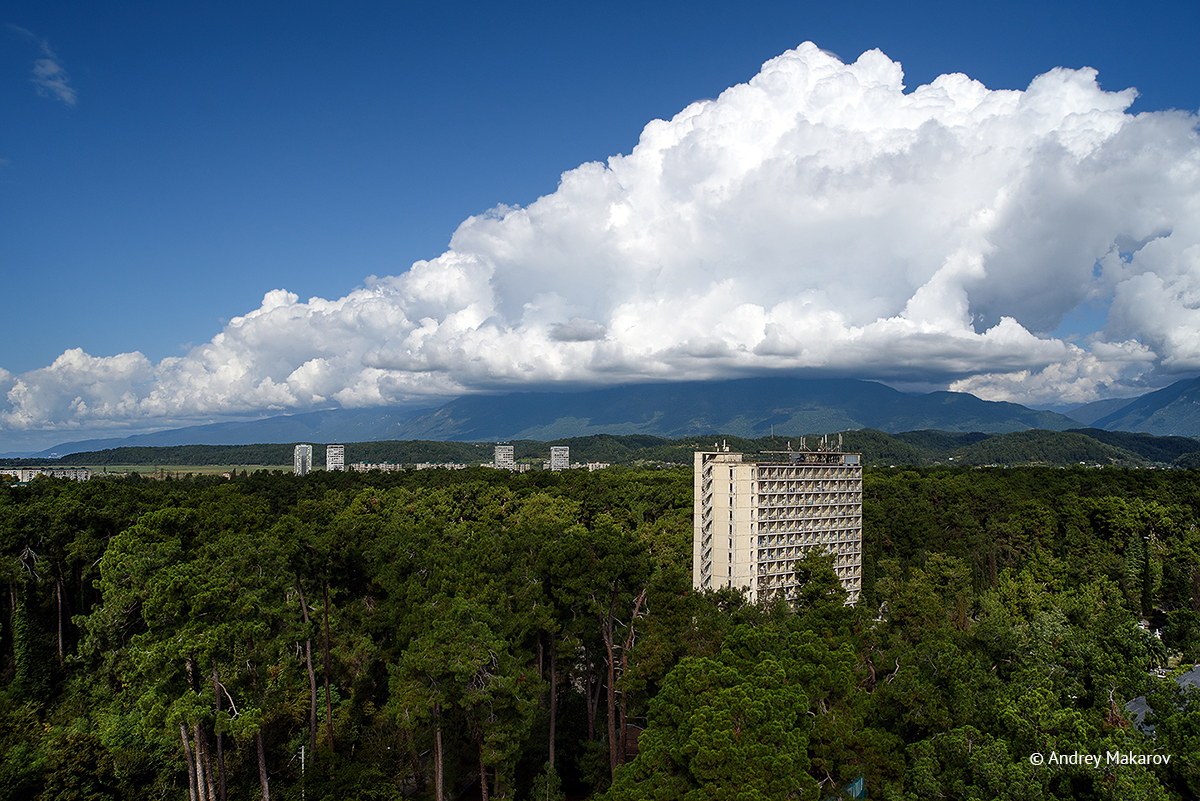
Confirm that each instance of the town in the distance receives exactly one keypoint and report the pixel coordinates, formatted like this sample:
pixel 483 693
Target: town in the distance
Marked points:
pixel 335 459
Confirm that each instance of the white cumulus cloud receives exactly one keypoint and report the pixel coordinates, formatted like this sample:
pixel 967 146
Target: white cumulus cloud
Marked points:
pixel 819 217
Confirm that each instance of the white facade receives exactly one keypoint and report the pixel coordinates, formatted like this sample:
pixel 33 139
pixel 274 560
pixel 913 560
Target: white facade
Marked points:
pixel 26 474
pixel 335 457
pixel 560 457
pixel 302 460
pixel 386 467
pixel 504 458
pixel 753 520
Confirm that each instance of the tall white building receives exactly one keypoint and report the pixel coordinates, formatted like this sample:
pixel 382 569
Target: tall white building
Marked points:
pixel 335 457
pixel 753 520
pixel 302 460
pixel 560 457
pixel 504 458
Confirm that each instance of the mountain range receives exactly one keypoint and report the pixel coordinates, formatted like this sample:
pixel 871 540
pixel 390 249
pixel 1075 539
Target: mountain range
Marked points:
pixel 748 407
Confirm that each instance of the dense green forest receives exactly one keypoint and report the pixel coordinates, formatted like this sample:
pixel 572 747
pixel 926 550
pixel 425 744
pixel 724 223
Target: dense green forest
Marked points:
pixel 916 448
pixel 481 634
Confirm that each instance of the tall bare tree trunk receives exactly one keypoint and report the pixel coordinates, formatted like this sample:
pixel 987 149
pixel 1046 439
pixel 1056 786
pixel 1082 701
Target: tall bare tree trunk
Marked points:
pixel 312 675
pixel 553 694
pixel 263 781
pixel 220 734
pixel 58 592
pixel 200 787
pixel 205 764
pixel 606 629
pixel 191 765
pixel 625 649
pixel 592 697
pixel 328 702
pixel 438 757
pixel 482 774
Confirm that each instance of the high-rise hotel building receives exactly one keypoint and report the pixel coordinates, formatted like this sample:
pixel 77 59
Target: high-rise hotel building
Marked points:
pixel 560 457
pixel 753 520
pixel 503 459
pixel 335 457
pixel 302 460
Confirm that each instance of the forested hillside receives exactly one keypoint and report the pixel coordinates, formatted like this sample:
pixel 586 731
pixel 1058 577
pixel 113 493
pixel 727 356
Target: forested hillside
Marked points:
pixel 480 634
pixel 918 448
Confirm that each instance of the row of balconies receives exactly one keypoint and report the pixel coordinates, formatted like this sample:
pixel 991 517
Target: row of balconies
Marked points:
pixel 846 537
pixel 836 472
pixel 786 565
pixel 808 498
pixel 776 554
pixel 804 523
pixel 786 581
pixel 810 486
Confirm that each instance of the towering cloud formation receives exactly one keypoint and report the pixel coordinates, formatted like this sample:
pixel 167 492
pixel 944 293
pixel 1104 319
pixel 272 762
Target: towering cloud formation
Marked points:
pixel 818 217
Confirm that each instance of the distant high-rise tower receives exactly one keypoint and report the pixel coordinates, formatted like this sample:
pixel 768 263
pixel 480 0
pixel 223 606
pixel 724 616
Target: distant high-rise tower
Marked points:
pixel 504 458
pixel 335 457
pixel 560 457
pixel 302 460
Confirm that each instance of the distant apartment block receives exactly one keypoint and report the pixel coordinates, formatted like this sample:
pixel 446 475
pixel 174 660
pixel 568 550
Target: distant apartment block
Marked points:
pixel 753 520
pixel 386 467
pixel 504 458
pixel 335 457
pixel 302 460
pixel 560 457
pixel 26 474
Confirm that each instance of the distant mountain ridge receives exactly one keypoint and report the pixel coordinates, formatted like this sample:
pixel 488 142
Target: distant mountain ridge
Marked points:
pixel 1171 410
pixel 748 407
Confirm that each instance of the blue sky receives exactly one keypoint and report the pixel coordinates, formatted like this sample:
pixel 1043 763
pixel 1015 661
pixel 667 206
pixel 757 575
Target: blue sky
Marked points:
pixel 186 159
